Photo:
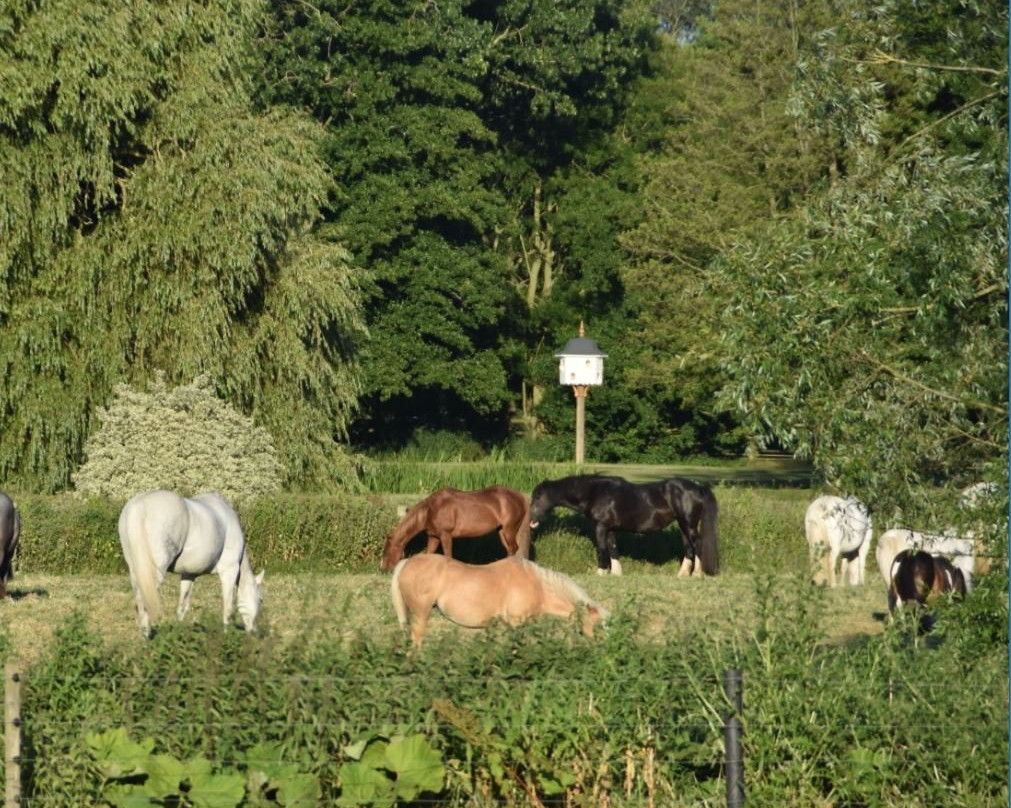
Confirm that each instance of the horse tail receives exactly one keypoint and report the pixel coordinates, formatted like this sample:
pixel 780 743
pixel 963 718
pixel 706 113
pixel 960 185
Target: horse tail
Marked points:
pixel 137 549
pixel 399 604
pixel 709 552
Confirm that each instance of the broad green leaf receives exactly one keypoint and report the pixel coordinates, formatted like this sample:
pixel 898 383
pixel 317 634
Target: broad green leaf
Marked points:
pixel 417 765
pixel 165 773
pixel 363 785
pixel 216 790
pixel 117 754
pixel 299 791
pixel 128 796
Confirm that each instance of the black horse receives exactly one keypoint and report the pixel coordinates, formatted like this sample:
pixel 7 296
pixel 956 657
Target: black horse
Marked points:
pixel 10 536
pixel 613 503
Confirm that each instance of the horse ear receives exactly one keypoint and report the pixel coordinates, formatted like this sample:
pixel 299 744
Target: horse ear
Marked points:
pixel 259 577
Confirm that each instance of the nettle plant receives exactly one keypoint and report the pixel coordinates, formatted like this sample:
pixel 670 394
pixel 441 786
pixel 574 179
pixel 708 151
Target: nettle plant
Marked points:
pixel 184 439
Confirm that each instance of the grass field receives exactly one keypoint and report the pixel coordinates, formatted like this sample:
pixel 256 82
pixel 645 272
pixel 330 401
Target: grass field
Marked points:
pixel 297 606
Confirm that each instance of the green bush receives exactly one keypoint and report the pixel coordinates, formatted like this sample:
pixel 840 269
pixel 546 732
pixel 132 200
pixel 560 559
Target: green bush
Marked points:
pixel 759 529
pixel 64 534
pixel 535 714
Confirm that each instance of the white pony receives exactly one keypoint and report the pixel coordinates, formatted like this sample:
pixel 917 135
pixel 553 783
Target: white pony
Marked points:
pixel 960 552
pixel 838 528
pixel 161 532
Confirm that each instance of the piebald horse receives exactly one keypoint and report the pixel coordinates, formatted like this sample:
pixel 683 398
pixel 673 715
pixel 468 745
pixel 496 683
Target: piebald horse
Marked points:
pixel 511 589
pixel 961 552
pixel 838 531
pixel 917 577
pixel 162 532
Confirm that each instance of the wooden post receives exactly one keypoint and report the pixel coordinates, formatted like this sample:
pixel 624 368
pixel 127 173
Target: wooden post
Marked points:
pixel 12 737
pixel 580 391
pixel 732 741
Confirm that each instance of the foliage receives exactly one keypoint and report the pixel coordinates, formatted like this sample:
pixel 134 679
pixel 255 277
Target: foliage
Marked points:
pixel 422 478
pixel 185 439
pixel 721 157
pixel 387 770
pixel 130 774
pixel 869 332
pixel 65 535
pixel 418 201
pixel 534 714
pixel 472 143
pixel 154 221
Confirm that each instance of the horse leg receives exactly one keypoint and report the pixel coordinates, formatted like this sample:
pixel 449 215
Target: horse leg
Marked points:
pixel 228 584
pixel 833 558
pixel 688 563
pixel 446 539
pixel 185 590
pixel 143 618
pixel 603 556
pixel 419 622
pixel 691 542
pixel 508 539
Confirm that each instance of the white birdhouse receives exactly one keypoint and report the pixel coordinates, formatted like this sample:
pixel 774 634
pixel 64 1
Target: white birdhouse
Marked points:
pixel 581 361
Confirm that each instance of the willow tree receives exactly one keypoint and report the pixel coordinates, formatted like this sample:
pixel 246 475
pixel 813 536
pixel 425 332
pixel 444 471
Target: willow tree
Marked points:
pixel 869 332
pixel 153 219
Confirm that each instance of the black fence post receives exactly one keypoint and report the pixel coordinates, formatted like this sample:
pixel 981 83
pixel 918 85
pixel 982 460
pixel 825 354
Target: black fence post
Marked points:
pixel 732 740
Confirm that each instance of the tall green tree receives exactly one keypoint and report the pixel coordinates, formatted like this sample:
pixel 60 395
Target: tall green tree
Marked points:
pixel 869 332
pixel 418 201
pixel 722 156
pixel 457 132
pixel 153 220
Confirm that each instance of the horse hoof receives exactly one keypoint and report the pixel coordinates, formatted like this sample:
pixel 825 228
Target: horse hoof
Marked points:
pixel 602 571
pixel 615 566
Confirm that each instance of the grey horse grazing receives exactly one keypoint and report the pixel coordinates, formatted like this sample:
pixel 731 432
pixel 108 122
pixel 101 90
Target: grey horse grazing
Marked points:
pixel 10 537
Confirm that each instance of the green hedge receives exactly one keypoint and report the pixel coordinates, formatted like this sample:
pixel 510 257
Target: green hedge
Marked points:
pixel 285 532
pixel 759 529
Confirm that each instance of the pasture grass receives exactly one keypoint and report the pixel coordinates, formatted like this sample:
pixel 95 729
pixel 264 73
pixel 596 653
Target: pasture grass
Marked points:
pixel 299 608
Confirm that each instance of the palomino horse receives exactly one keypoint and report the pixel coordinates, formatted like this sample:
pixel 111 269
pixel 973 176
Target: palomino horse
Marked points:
pixel 162 532
pixel 960 552
pixel 918 576
pixel 838 528
pixel 512 589
pixel 10 538
pixel 613 503
pixel 453 514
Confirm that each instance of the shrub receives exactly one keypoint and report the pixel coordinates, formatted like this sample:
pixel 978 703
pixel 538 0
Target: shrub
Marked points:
pixel 185 439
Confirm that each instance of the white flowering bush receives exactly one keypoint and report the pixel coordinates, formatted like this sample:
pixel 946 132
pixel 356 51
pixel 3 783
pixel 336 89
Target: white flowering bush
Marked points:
pixel 183 439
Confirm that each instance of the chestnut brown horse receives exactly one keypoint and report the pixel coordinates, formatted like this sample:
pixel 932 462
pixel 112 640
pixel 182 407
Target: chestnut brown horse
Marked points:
pixel 453 514
pixel 918 577
pixel 511 589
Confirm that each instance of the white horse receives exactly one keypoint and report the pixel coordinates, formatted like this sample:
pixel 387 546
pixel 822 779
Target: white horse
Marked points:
pixel 836 529
pixel 959 551
pixel 161 532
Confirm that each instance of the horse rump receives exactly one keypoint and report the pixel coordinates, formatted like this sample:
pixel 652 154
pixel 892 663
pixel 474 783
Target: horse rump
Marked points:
pixel 10 539
pixel 919 577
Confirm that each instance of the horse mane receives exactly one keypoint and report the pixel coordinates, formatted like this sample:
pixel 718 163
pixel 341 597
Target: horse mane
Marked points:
pixel 562 585
pixel 412 523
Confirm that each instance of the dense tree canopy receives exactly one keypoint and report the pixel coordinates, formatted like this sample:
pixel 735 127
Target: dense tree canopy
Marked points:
pixel 152 220
pixel 786 223
pixel 458 133
pixel 869 330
